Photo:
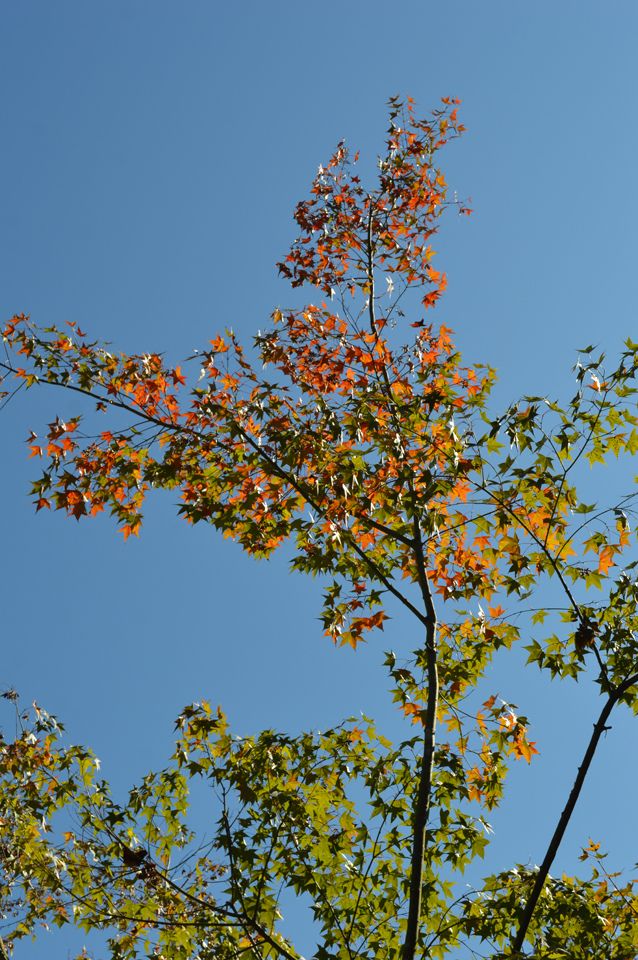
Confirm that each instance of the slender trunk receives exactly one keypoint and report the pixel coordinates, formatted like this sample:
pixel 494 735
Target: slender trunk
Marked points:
pixel 556 840
pixel 422 808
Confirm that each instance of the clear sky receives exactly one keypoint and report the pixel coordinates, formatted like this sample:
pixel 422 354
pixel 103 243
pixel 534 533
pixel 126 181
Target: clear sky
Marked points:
pixel 152 156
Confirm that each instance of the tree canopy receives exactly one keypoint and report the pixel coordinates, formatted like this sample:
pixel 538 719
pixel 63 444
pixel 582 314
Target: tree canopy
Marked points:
pixel 353 431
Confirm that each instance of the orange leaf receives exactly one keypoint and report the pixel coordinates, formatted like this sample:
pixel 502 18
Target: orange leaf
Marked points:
pixel 606 559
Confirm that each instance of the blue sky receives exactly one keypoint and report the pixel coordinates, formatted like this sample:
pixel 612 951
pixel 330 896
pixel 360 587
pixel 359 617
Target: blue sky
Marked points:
pixel 153 155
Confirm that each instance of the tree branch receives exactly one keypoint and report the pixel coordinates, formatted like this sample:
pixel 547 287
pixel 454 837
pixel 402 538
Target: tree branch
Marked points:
pixel 179 428
pixel 565 817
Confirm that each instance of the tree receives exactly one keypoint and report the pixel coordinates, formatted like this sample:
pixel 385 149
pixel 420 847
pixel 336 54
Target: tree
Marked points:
pixel 383 466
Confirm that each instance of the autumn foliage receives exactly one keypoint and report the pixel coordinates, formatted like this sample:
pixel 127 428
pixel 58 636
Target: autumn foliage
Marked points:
pixel 380 461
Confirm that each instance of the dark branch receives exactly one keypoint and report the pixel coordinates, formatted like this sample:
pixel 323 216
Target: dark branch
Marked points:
pixel 565 817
